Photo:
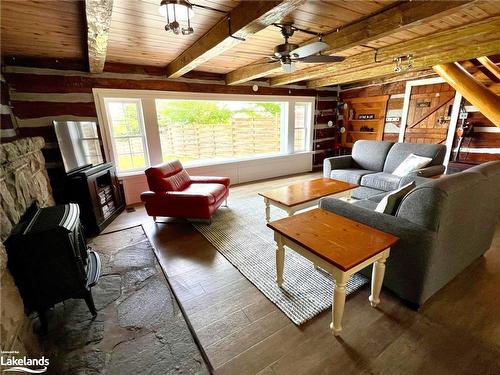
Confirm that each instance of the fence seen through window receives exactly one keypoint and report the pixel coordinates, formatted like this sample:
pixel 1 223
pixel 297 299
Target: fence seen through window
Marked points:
pixel 208 130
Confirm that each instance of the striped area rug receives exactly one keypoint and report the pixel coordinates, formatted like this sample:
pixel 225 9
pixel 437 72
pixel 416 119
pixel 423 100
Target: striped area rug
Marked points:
pixel 240 234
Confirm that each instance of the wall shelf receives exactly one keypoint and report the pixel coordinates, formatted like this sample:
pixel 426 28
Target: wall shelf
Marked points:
pixel 374 105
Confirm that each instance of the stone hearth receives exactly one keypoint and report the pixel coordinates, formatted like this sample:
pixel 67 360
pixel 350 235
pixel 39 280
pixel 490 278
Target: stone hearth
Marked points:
pixel 139 328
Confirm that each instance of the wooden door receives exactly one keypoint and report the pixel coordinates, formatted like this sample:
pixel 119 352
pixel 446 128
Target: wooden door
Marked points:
pixel 429 113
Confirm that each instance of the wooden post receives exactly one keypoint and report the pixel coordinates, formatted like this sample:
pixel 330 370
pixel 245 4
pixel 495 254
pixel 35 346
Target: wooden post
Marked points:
pixel 475 92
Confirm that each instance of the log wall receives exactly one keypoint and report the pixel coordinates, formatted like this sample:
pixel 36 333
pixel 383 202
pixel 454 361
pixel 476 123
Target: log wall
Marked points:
pixel 39 96
pixel 7 121
pixel 482 146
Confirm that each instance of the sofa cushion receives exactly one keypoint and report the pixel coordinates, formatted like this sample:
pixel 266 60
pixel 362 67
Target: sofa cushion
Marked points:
pixel 214 192
pixel 370 155
pixel 364 192
pixel 400 151
pixel 381 181
pixel 390 203
pixel 365 203
pixel 353 176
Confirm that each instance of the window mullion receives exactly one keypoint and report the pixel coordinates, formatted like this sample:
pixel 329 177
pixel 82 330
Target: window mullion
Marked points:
pixel 291 127
pixel 152 131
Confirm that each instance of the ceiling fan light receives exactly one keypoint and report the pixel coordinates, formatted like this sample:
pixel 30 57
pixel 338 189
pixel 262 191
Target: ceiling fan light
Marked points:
pixel 288 67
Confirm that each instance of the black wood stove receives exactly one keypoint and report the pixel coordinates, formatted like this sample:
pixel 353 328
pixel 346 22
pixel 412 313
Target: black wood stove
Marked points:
pixel 49 259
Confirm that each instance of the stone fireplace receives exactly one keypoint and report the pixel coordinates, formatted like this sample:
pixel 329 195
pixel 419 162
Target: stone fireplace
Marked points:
pixel 23 180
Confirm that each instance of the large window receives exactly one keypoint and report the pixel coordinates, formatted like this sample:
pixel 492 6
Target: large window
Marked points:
pixel 208 130
pixel 152 127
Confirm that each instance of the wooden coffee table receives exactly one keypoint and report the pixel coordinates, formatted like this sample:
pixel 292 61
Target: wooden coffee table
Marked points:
pixel 338 245
pixel 296 197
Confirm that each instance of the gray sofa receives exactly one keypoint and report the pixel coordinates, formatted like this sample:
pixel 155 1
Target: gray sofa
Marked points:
pixel 372 162
pixel 444 225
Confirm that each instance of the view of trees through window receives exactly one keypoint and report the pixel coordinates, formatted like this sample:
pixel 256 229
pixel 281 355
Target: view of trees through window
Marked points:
pixel 127 133
pixel 208 129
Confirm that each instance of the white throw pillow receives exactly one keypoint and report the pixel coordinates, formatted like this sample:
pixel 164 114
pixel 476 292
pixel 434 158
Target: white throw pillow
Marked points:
pixel 390 203
pixel 410 164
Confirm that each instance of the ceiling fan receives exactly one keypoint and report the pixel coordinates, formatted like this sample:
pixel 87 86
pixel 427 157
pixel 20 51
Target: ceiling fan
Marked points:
pixel 289 53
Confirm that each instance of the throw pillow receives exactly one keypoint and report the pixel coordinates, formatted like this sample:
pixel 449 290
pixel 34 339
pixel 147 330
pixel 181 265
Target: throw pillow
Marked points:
pixel 390 203
pixel 410 164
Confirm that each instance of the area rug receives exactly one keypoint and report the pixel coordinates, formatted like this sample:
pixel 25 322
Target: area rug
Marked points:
pixel 239 233
pixel 139 328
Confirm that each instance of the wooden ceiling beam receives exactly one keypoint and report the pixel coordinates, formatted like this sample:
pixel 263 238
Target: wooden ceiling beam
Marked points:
pixel 390 21
pixel 458 39
pixel 98 16
pixel 251 72
pixel 394 19
pixel 412 75
pixel 477 47
pixel 491 67
pixel 246 19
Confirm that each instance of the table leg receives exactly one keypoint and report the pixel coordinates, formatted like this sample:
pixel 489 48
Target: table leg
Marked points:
pixel 268 210
pixel 377 280
pixel 338 304
pixel 280 261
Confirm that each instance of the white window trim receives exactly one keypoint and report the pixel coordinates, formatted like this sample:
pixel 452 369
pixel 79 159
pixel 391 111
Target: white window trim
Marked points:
pixel 151 129
pixel 142 125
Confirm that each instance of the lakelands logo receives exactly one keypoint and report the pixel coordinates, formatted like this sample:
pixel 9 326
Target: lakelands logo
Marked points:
pixel 30 365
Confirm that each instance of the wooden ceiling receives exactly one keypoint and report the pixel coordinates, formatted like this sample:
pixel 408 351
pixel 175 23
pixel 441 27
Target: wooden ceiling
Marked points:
pixel 58 30
pixel 43 29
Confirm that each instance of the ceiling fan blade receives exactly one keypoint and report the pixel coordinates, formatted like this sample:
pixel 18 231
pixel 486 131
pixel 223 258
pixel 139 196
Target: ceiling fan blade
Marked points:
pixel 321 59
pixel 308 49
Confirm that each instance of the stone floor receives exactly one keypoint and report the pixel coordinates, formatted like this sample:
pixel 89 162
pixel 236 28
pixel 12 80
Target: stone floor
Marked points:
pixel 139 328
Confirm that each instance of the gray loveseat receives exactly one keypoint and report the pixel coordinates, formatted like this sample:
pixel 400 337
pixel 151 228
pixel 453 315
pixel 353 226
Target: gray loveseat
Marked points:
pixel 444 225
pixel 372 162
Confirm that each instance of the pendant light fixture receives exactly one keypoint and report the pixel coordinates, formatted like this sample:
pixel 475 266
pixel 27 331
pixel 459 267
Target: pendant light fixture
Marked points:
pixel 175 11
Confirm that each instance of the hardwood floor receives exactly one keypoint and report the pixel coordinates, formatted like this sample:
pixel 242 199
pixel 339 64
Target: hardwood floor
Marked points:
pixel 242 332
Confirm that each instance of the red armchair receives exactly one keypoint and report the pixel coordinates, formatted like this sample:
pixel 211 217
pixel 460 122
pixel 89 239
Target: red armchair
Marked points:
pixel 174 193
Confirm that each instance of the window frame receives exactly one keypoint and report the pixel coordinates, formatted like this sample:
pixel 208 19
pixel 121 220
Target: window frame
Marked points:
pixel 151 136
pixel 109 128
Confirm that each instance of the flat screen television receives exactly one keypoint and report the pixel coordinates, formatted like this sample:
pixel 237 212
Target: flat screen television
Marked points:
pixel 79 144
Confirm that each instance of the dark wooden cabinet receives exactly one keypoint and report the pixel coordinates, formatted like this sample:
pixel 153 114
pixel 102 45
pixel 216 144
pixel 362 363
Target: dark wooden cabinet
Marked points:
pixel 97 191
